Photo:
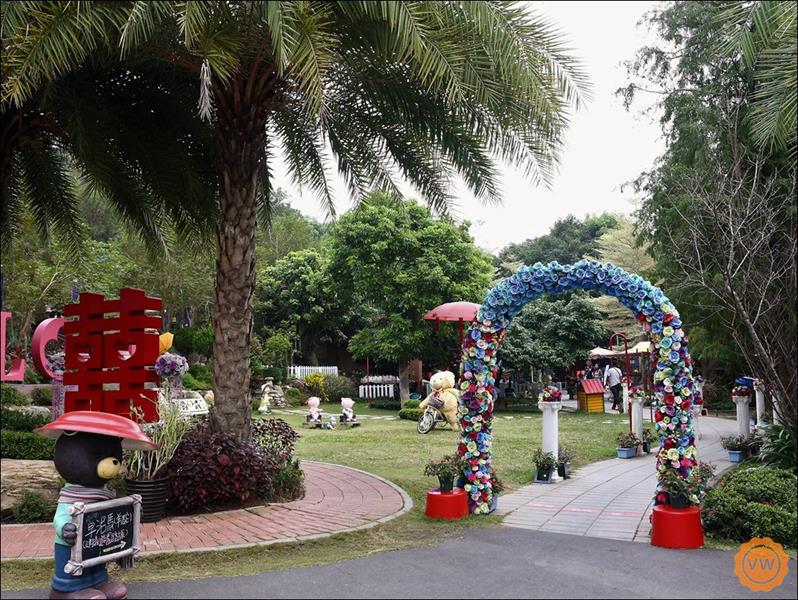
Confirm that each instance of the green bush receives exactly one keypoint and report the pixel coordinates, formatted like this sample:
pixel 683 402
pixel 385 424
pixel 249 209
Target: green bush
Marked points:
pixel 755 502
pixel 275 373
pixel 32 375
pixel 14 420
pixel 42 396
pixel 388 403
pixel 295 396
pixel 32 507
pixel 779 448
pixel 411 414
pixel 337 387
pixel 10 395
pixel 189 382
pixel 24 445
pixel 315 386
pixel 288 482
pixel 412 403
pixel 200 372
pixel 194 340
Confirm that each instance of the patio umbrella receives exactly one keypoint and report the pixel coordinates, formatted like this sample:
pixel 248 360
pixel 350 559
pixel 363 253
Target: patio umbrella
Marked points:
pixel 453 311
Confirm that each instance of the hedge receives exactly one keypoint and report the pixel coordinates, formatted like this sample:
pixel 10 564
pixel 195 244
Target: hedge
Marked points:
pixel 411 414
pixel 14 420
pixel 12 396
pixel 24 445
pixel 42 396
pixel 755 502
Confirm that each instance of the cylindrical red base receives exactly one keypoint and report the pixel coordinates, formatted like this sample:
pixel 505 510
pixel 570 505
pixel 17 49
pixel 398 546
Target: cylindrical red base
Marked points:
pixel 447 505
pixel 676 527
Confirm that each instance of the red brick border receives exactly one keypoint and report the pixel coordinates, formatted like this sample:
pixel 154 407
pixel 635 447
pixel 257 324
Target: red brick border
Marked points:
pixel 337 499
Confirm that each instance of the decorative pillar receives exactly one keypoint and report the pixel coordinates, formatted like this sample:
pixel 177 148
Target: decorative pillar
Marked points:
pixel 636 406
pixel 626 406
pixel 551 430
pixel 743 415
pixel 759 390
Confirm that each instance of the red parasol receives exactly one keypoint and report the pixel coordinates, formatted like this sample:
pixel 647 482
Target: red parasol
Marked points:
pixel 90 421
pixel 453 311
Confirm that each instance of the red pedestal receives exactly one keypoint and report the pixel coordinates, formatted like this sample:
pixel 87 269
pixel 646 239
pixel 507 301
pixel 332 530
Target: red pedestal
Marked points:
pixel 447 505
pixel 676 527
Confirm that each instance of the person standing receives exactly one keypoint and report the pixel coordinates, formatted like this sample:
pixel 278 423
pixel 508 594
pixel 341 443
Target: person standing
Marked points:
pixel 612 380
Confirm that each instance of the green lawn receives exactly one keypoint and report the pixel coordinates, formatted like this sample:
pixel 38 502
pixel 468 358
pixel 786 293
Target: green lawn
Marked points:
pixel 391 449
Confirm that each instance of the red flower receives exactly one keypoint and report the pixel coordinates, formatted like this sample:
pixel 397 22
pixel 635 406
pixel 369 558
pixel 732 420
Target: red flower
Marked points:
pixel 667 318
pixel 658 416
pixel 668 444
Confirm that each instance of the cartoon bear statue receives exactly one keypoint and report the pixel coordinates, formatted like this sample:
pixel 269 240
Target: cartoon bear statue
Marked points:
pixel 443 397
pixel 88 454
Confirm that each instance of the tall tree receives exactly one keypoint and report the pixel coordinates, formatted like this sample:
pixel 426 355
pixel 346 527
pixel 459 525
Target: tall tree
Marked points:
pixel 431 89
pixel 398 262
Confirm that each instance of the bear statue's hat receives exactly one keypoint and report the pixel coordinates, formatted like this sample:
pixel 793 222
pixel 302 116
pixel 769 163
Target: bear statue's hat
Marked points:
pixel 91 421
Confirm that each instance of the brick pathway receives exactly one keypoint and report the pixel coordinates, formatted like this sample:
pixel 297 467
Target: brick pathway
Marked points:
pixel 337 499
pixel 608 499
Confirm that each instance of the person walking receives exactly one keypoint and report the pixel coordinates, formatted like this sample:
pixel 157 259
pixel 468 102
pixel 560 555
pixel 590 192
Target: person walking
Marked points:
pixel 612 380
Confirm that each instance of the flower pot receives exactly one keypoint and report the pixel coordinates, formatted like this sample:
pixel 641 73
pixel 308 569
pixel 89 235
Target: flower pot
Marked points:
pixel 494 503
pixel 736 456
pixel 627 452
pixel 446 484
pixel 680 502
pixel 543 475
pixel 154 494
pixel 646 448
pixel 564 470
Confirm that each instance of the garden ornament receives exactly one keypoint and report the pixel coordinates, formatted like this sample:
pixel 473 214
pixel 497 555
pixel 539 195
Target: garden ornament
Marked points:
pixel 88 454
pixel 264 400
pixel 165 342
pixel 314 412
pixel 347 414
pixel 443 397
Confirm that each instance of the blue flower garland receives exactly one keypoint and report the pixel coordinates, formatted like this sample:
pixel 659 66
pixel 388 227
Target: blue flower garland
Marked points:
pixel 673 377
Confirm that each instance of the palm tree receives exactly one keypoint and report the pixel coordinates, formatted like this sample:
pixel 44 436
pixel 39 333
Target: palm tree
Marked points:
pixel 765 36
pixel 425 90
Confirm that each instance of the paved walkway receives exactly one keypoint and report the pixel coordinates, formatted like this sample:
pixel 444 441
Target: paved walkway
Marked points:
pixel 337 499
pixel 608 499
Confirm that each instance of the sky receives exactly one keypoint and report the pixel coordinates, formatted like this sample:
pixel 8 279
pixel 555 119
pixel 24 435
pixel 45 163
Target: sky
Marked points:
pixel 605 145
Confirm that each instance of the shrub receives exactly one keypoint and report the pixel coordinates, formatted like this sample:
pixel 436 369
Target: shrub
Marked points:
pixel 275 436
pixel 294 396
pixel 216 470
pixel 190 383
pixel 288 482
pixel 200 372
pixel 25 445
pixel 32 507
pixel 544 461
pixel 411 414
pixel 565 455
pixel 12 396
pixel 779 448
pixel 32 375
pixel 275 373
pixel 194 340
pixel 42 396
pixel 337 387
pixel 314 384
pixel 387 403
pixel 753 502
pixel 412 403
pixel 14 420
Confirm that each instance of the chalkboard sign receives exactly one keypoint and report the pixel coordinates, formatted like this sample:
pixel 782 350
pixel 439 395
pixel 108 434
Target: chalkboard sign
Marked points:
pixel 107 531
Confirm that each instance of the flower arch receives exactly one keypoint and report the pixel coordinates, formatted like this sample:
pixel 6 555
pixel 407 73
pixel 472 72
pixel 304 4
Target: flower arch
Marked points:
pixel 673 377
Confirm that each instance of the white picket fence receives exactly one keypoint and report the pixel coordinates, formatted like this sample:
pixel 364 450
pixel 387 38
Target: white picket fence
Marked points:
pixel 372 391
pixel 302 371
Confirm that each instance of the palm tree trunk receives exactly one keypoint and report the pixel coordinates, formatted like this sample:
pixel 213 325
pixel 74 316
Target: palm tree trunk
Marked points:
pixel 240 137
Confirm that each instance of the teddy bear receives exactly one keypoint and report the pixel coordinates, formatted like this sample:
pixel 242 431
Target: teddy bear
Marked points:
pixel 88 454
pixel 444 397
pixel 314 412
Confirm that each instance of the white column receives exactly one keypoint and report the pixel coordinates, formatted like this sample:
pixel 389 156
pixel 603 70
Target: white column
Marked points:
pixel 743 415
pixel 636 406
pixel 759 390
pixel 626 407
pixel 551 430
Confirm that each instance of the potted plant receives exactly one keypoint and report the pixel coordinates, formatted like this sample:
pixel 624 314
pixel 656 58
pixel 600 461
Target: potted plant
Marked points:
pixel 497 487
pixel 648 440
pixel 145 467
pixel 684 492
pixel 445 470
pixel 544 464
pixel 737 446
pixel 627 444
pixel 564 458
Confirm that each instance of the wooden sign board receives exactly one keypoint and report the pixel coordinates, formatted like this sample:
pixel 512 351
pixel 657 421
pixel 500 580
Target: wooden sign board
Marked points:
pixel 107 531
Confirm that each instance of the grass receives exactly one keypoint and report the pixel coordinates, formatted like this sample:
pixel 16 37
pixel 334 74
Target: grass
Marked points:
pixel 390 449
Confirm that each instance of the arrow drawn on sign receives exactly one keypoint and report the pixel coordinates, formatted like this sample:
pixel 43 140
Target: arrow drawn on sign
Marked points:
pixel 120 545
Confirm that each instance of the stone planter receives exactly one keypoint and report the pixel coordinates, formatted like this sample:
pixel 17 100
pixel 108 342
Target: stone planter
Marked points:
pixel 627 452
pixel 543 476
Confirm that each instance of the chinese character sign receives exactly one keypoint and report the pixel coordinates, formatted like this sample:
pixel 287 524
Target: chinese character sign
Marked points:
pixel 110 347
